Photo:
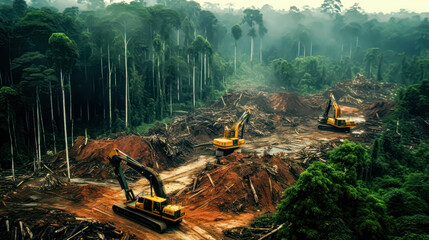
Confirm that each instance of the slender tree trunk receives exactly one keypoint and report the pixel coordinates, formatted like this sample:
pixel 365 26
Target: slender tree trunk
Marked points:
pixel 71 109
pixel 201 76
pixel 260 51
pixel 205 69
pixel 35 137
pixel 65 124
pixel 11 143
pixel 350 53
pixel 160 97
pixel 189 74
pixel 251 49
pixel 299 47
pixel 110 86
pixel 52 117
pixel 38 128
pixel 235 58
pixel 311 48
pixel 126 80
pixel 42 124
pixel 357 41
pixel 178 37
pixel 193 85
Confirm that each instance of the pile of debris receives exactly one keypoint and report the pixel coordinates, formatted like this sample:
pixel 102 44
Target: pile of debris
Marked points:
pixel 88 157
pixel 50 182
pixel 250 233
pixel 360 90
pixel 378 110
pixel 291 104
pixel 240 183
pixel 314 152
pixel 40 223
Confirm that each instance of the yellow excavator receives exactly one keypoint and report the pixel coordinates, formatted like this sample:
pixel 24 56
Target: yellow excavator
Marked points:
pixel 152 210
pixel 230 140
pixel 337 123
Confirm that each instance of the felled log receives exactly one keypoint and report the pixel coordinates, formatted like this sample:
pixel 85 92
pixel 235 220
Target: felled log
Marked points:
pixel 253 191
pixel 272 232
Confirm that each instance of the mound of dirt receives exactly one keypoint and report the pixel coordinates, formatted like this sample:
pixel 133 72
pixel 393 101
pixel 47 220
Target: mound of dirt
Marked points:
pixel 360 90
pixel 90 159
pixel 290 104
pixel 243 183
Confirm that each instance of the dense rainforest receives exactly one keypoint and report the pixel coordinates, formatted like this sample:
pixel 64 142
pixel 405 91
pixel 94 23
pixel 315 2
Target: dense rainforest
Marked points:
pixel 97 69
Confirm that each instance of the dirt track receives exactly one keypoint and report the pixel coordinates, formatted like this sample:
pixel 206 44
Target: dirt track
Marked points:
pixel 273 129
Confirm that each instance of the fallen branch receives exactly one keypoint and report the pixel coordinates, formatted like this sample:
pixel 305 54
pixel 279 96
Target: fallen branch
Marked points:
pixel 253 191
pixel 44 165
pixel 74 235
pixel 272 232
pixel 228 188
pixel 198 192
pixel 210 178
pixel 195 184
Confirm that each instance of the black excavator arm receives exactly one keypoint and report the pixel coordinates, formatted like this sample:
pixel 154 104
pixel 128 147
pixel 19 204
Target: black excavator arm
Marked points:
pixel 116 157
pixel 237 125
pixel 337 110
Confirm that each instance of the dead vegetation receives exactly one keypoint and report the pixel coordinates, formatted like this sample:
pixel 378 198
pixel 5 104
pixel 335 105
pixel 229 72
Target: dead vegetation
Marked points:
pixel 242 183
pixel 55 224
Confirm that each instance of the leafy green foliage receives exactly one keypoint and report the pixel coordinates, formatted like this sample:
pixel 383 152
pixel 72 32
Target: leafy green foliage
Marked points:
pixel 351 158
pixel 323 205
pixel 401 203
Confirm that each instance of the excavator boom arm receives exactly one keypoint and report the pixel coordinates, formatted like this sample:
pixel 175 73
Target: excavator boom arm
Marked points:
pixel 241 123
pixel 337 109
pixel 116 157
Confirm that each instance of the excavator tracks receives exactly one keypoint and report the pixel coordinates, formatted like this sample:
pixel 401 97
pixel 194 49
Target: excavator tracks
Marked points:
pixel 327 127
pixel 143 219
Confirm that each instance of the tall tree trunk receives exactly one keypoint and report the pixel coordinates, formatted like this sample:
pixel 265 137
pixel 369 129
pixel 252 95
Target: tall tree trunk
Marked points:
pixel 41 124
pixel 65 124
pixel 110 86
pixel 311 48
pixel 11 143
pixel 193 85
pixel 126 79
pixel 38 128
pixel 304 50
pixel 201 76
pixel 205 69
pixel 299 47
pixel 160 97
pixel 71 109
pixel 35 136
pixel 52 117
pixel 251 49
pixel 235 58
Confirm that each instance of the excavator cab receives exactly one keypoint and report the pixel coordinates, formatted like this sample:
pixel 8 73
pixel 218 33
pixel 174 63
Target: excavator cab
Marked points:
pixel 231 140
pixel 336 123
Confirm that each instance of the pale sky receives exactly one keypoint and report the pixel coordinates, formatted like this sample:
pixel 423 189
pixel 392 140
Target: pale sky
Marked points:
pixel 369 6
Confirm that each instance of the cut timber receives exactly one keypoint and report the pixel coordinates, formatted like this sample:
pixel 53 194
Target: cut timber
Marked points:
pixel 253 191
pixel 195 184
pixel 44 165
pixel 29 232
pixel 210 178
pixel 272 232
pixel 228 188
pixel 74 235
pixel 296 131
pixel 271 186
pixel 223 101
pixel 21 227
pixel 198 192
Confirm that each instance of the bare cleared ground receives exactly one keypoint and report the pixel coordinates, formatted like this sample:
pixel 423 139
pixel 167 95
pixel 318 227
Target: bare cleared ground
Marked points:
pixel 277 128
